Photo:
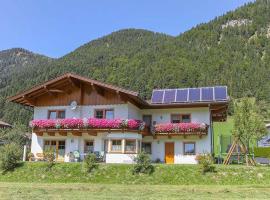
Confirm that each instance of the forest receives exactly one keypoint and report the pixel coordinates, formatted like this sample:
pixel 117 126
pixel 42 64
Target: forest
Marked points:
pixel 232 50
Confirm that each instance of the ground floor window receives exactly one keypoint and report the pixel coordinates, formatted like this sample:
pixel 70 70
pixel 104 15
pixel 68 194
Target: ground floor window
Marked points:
pixel 57 146
pixel 89 146
pixel 147 147
pixel 130 146
pixel 116 146
pixel 189 148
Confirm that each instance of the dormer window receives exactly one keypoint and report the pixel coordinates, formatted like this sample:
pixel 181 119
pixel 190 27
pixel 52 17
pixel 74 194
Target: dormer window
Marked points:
pixel 104 114
pixel 180 118
pixel 56 114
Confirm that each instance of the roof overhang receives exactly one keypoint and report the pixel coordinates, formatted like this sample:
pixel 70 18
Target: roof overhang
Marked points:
pixel 26 97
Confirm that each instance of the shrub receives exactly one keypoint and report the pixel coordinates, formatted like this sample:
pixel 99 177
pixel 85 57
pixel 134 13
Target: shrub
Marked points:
pixel 143 164
pixel 262 152
pixel 30 156
pixel 49 157
pixel 206 163
pixel 90 163
pixel 10 155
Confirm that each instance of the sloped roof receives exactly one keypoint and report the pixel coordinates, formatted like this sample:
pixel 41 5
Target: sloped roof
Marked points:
pixel 19 98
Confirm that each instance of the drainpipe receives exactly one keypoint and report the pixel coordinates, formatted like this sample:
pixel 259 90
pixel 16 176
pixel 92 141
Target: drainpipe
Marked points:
pixel 211 131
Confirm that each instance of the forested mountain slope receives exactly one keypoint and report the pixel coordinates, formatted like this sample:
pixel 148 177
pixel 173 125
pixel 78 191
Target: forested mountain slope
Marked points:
pixel 232 50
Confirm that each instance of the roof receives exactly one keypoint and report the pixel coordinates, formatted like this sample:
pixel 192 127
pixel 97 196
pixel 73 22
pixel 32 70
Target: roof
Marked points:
pixel 4 125
pixel 171 98
pixel 20 98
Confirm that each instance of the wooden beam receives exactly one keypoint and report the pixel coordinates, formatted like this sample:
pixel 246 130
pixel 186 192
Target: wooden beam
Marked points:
pixel 48 91
pixel 77 133
pixel 29 100
pixel 92 133
pixel 39 133
pixel 51 133
pixel 57 91
pixel 63 133
pixel 73 82
pixel 98 89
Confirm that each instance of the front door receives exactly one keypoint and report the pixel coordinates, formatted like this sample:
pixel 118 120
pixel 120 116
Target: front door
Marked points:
pixel 169 152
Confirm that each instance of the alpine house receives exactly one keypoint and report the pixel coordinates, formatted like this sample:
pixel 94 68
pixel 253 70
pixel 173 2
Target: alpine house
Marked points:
pixel 75 116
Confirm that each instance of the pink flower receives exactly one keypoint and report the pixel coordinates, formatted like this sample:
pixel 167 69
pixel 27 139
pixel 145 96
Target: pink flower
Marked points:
pixel 43 123
pixel 179 127
pixel 71 123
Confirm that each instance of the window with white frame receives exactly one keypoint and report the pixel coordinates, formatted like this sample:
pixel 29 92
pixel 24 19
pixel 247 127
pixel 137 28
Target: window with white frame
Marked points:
pixel 116 146
pixel 189 148
pixel 130 146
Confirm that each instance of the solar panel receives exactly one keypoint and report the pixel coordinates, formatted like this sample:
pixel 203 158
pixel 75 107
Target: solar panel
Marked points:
pixel 185 95
pixel 220 93
pixel 157 96
pixel 194 94
pixel 169 96
pixel 181 95
pixel 207 94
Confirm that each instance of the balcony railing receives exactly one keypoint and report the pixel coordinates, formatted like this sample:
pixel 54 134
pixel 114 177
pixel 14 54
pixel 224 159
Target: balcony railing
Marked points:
pixel 91 123
pixel 181 128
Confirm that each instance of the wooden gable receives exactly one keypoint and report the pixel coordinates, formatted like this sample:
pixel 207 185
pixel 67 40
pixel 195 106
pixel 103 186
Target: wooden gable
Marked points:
pixel 83 95
pixel 70 87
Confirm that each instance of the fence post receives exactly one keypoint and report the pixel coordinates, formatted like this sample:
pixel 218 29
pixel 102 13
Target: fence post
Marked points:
pixel 24 153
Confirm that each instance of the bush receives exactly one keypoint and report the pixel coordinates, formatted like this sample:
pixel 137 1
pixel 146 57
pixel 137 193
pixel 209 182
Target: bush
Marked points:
pixel 30 156
pixel 206 163
pixel 10 155
pixel 143 164
pixel 90 163
pixel 49 157
pixel 262 152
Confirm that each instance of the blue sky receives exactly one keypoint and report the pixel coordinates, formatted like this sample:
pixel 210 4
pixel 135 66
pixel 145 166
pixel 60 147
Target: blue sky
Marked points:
pixel 56 27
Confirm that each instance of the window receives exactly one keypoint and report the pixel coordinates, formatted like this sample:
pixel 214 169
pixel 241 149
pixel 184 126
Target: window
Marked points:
pixel 147 147
pixel 57 114
pixel 189 148
pixel 117 145
pixel 175 118
pixel 89 147
pixel 130 146
pixel 109 114
pixel 58 147
pixel 99 114
pixel 185 118
pixel 104 114
pixel 180 118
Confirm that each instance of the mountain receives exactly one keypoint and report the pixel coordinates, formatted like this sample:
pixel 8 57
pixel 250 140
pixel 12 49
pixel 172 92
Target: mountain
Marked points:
pixel 233 50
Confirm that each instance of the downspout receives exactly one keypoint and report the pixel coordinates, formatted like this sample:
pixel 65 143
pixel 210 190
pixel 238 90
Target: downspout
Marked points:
pixel 211 131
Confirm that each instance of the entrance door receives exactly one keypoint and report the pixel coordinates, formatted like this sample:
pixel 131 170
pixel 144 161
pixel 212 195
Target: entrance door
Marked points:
pixel 169 152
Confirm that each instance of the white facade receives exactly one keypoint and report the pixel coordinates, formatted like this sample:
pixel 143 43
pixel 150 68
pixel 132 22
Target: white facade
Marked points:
pixel 128 111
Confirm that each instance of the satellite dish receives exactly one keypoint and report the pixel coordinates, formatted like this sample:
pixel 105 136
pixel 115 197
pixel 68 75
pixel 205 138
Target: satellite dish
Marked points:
pixel 73 105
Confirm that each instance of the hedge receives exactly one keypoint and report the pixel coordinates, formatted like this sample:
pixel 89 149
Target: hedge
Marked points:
pixel 262 152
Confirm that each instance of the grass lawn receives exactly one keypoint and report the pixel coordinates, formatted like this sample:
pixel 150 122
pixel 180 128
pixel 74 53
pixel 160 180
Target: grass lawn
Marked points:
pixel 121 174
pixel 111 181
pixel 116 191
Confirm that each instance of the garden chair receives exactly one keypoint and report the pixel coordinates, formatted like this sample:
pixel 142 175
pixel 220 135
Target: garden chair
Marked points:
pixel 76 156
